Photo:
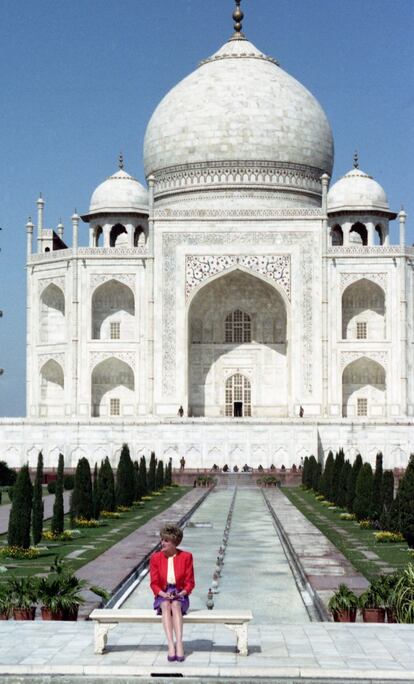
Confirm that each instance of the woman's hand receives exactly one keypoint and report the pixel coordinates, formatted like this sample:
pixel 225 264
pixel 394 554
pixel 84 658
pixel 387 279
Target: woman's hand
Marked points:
pixel 165 595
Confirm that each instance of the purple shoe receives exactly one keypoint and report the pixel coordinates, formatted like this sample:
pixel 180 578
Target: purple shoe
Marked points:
pixel 172 659
pixel 180 659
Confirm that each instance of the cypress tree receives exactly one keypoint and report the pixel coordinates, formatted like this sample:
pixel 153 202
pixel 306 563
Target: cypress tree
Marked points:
pixel 106 486
pixel 387 496
pixel 37 515
pixel 353 476
pixel 143 475
pixel 137 482
pixel 326 482
pixel 336 475
pixel 95 493
pixel 406 503
pixel 58 523
pixel 377 488
pixel 152 473
pixel 125 487
pixel 318 478
pixel 363 493
pixel 82 497
pixel 343 484
pixel 312 468
pixel 305 472
pixel 159 477
pixel 21 511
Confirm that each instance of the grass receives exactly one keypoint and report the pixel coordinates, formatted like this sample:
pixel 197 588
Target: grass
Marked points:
pixel 98 538
pixel 347 536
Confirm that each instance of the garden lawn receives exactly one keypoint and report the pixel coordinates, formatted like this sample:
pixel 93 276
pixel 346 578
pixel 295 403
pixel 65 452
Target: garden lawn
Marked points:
pixel 367 556
pixel 92 541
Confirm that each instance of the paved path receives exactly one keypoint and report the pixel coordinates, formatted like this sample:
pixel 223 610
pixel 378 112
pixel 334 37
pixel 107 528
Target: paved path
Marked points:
pixel 316 652
pixel 48 501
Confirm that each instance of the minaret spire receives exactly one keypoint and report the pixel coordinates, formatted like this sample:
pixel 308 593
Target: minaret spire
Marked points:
pixel 238 18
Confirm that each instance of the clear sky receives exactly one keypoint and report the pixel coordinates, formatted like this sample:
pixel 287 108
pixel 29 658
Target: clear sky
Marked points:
pixel 80 78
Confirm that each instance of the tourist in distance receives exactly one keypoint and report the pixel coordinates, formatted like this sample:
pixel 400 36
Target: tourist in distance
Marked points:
pixel 172 581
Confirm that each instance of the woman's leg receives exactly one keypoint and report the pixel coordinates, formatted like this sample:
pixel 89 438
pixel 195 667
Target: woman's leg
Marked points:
pixel 177 621
pixel 167 623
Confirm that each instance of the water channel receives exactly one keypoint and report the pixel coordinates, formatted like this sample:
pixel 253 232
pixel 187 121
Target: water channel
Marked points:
pixel 256 573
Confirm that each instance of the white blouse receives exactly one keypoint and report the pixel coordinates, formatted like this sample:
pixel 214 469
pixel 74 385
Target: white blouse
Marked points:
pixel 170 571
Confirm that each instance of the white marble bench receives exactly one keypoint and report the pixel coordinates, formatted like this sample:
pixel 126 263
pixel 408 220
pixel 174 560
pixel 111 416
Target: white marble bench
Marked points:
pixel 236 620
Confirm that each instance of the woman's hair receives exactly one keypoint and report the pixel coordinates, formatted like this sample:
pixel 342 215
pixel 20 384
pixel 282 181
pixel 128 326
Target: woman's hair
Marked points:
pixel 172 532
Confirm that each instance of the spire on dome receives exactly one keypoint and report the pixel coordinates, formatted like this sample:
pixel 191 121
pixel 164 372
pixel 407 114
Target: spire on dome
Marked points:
pixel 238 18
pixel 121 161
pixel 356 160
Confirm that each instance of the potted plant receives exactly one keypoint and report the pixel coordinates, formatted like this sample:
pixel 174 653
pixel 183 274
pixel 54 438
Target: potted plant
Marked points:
pixel 23 595
pixel 343 604
pixel 387 586
pixel 5 602
pixel 372 603
pixel 404 596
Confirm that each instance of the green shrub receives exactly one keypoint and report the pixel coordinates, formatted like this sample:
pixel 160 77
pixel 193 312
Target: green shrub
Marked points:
pixel 37 510
pixel 58 518
pixel 21 511
pixel 363 493
pixel 51 487
pixel 68 482
pixel 125 479
pixel 81 501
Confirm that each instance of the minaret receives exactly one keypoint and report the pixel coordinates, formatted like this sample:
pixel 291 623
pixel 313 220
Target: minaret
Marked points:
pixel 29 232
pixel 40 208
pixel 60 229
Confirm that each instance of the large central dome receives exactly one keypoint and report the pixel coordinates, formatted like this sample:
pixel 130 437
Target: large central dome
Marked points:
pixel 239 106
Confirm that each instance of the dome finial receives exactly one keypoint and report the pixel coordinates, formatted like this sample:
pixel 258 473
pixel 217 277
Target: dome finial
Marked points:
pixel 356 160
pixel 121 161
pixel 238 18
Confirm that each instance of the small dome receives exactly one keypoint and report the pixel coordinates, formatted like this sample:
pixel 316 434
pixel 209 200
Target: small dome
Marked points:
pixel 238 105
pixel 119 193
pixel 358 191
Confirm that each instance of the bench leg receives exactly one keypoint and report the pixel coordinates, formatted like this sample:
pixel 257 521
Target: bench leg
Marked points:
pixel 101 635
pixel 241 638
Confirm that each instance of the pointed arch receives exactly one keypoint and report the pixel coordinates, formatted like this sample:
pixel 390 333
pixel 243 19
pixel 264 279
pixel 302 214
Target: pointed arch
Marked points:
pixel 52 315
pixel 52 386
pixel 113 312
pixel 363 389
pixel 118 236
pixel 358 234
pixel 337 236
pixel 112 388
pixel 232 318
pixel 363 311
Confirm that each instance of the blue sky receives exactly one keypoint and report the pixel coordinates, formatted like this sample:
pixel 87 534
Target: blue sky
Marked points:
pixel 80 78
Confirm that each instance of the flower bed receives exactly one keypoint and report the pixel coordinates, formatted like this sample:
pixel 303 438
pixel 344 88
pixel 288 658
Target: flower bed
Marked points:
pixel 82 522
pixel 48 535
pixel 388 537
pixel 111 514
pixel 18 553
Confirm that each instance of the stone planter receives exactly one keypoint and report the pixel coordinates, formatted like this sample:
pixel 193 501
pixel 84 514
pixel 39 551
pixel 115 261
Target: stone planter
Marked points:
pixel 70 614
pixel 391 616
pixel 4 616
pixel 24 613
pixel 345 615
pixel 373 614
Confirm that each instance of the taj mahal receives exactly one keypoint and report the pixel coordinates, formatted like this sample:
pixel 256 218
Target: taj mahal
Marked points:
pixel 238 283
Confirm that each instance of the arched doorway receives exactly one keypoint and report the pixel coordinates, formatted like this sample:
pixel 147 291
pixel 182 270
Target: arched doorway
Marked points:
pixel 363 389
pixel 113 312
pixel 112 391
pixel 237 324
pixel 363 311
pixel 52 315
pixel 238 396
pixel 52 388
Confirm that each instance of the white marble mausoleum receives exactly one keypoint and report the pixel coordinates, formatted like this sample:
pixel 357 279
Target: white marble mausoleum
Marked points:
pixel 238 282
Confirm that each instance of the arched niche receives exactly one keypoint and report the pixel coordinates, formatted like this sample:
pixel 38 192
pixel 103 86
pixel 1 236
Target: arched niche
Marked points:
pixel 238 396
pixel 337 236
pixel 52 315
pixel 363 389
pixel 112 389
pixel 52 386
pixel 263 351
pixel 358 234
pixel 139 236
pixel 363 311
pixel 118 236
pixel 97 236
pixel 379 234
pixel 113 312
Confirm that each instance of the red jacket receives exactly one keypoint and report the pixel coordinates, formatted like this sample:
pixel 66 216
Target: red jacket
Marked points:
pixel 183 569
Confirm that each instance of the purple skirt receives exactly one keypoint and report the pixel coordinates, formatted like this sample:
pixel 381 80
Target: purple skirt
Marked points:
pixel 172 589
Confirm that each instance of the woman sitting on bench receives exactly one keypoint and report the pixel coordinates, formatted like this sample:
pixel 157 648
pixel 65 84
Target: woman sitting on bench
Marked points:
pixel 172 581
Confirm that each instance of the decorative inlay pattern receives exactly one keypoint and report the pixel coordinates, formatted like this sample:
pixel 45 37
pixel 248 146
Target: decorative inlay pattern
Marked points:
pixel 361 250
pixel 59 281
pixel 170 241
pixel 380 357
pixel 199 268
pixel 284 175
pixel 125 278
pixel 113 251
pixel 349 278
pixel 59 357
pixel 97 357
pixel 286 212
pixel 59 254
